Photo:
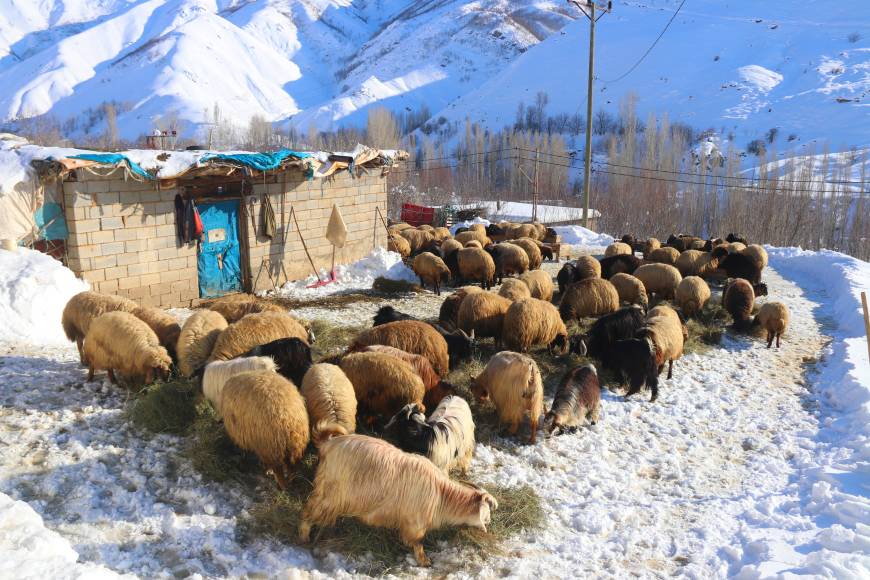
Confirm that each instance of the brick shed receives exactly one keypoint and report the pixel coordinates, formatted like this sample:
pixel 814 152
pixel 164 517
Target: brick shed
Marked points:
pixel 123 237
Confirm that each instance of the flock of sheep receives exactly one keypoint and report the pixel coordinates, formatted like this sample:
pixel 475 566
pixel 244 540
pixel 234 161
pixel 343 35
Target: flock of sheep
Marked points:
pixel 253 361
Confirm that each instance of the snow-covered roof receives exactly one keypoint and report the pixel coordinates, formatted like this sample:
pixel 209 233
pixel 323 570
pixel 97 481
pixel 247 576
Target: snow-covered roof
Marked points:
pixel 18 156
pixel 514 211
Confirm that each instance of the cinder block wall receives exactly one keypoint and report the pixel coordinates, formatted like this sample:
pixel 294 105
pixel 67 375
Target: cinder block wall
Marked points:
pixel 122 232
pixel 356 197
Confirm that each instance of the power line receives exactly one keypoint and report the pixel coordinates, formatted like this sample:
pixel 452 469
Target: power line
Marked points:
pixel 649 50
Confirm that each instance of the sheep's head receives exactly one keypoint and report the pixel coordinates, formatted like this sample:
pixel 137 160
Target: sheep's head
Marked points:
pixel 578 345
pixel 560 344
pixel 479 391
pixel 437 393
pixel 486 504
pixel 760 289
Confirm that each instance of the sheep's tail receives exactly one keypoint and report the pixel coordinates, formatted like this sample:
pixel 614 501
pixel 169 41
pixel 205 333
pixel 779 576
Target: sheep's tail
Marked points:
pixel 69 328
pixel 326 430
pixel 530 382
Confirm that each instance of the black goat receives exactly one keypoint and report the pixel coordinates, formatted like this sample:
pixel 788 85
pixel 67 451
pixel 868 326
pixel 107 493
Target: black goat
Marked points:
pixel 387 314
pixel 602 337
pixel 624 263
pixel 577 398
pixel 635 360
pixel 459 344
pixel 291 355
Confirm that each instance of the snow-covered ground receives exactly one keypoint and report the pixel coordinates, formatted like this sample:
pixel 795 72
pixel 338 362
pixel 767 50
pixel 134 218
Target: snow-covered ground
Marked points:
pixel 753 463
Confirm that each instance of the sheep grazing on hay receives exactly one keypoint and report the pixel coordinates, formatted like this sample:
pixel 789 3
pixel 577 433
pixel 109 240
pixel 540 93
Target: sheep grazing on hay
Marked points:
pixel 330 400
pixel 738 298
pixel 509 259
pixel 531 248
pixel 621 263
pixel 387 314
pixel 600 341
pixel 692 294
pixel 659 279
pixel 265 414
pixel 237 306
pixel 217 373
pixel 577 399
pixel 477 266
pixel 514 289
pixel 773 317
pixel 383 384
pixel 696 263
pixel 630 289
pixel 436 389
pixel 587 267
pixel 255 330
pixel 164 326
pixel 617 249
pixel 757 253
pixel 120 342
pixel 292 355
pixel 668 335
pixel 482 315
pixel 650 245
pixel 411 336
pixel 432 270
pixel 540 284
pixel 417 239
pixel 513 382
pixel 382 486
pixel 738 265
pixel 83 308
pixel 532 322
pixel 447 438
pixel 567 275
pixel 197 339
pixel 589 297
pixel 448 314
pixel 398 244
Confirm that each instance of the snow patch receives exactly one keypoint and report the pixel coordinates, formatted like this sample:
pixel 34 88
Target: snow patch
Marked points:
pixel 580 236
pixel 758 77
pixel 34 288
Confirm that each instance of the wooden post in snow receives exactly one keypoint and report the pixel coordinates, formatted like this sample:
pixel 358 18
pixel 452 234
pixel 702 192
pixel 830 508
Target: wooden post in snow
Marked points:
pixel 866 320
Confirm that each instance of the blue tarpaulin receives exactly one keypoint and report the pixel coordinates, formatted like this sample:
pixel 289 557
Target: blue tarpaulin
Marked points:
pixel 113 159
pixel 258 161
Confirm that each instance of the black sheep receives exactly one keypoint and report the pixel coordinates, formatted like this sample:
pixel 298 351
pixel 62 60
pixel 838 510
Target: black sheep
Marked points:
pixel 387 314
pixel 624 263
pixel 494 230
pixel 291 355
pixel 567 276
pixel 599 342
pixel 738 298
pixel 459 344
pixel 731 238
pixel 740 266
pixel 452 262
pixel 635 360
pixel 546 252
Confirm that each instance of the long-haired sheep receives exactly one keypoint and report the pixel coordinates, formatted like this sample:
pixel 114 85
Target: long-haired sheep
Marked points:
pixel 255 330
pixel 577 399
pixel 531 249
pixel 432 270
pixel 650 245
pixel 447 438
pixel 292 355
pixel 540 284
pixel 667 255
pixel 510 259
pixel 692 294
pixel 532 322
pixel 518 231
pixel 118 341
pixel 621 263
pixel 441 233
pixel 240 305
pixel 417 239
pixel 448 314
pixel 600 340
pixel 473 244
pixel 420 363
pixel 382 383
pixel 617 249
pixel 514 289
pixel 667 333
pixel 382 486
pixel 483 315
pixel 217 373
pixel 587 267
pixel 696 263
pixel 330 400
pixel 398 244
pixel 264 413
pixel 449 246
pixel 757 253
pixel 411 336
pixel 197 339
pixel 738 298
pixel 84 308
pixel 513 382
pixel 589 297
pixel 466 237
pixel 398 227
pixel 476 265
pixel 630 289
pixel 659 279
pixel 773 317
pixel 163 324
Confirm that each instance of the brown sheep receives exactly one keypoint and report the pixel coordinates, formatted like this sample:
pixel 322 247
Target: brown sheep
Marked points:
pixel 417 239
pixel 773 317
pixel 696 263
pixel 329 399
pixel 476 265
pixel 630 289
pixel 84 308
pixel 411 336
pixel 382 486
pixel 441 233
pixel 522 231
pixel 197 339
pixel 589 297
pixel 383 384
pixel 650 245
pixel 465 237
pixel 473 244
pixel 692 294
pixel 667 334
pixel 577 399
pixel 448 314
pixel 532 322
pixel 398 244
pixel 667 255
pixel 483 314
pixel 449 246
pixel 256 330
pixel 118 341
pixel 236 306
pixel 513 382
pixel 532 250
pixel 163 324
pixel 265 414
pixel 757 253
pixel 432 270
pixel 659 279
pixel 420 363
pixel 587 267
pixel 738 298
pixel 514 289
pixel 540 284
pixel 617 249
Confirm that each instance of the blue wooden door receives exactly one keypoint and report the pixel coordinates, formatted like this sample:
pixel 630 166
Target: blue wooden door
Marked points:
pixel 219 263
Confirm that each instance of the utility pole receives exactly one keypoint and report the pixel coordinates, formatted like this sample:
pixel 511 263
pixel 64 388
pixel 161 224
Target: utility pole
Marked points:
pixel 535 190
pixel 587 7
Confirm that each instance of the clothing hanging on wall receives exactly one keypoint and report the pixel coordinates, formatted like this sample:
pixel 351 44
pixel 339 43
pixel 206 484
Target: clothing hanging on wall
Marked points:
pixel 267 217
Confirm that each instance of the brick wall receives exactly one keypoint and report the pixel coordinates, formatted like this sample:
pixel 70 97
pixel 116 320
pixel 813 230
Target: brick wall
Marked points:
pixel 122 232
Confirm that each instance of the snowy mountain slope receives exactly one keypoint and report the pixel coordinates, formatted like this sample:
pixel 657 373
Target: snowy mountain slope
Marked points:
pixel 739 66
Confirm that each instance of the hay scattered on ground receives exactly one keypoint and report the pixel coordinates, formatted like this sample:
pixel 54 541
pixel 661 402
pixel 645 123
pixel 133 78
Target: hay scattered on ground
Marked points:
pixel 388 286
pixel 331 338
pixel 336 300
pixel 706 328
pixel 168 407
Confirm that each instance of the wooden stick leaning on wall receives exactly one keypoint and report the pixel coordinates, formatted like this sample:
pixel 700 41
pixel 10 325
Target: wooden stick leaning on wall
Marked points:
pixel 378 214
pixel 866 321
pixel 304 245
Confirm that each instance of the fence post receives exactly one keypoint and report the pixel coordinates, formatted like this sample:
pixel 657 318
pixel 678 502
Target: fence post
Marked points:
pixel 866 321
